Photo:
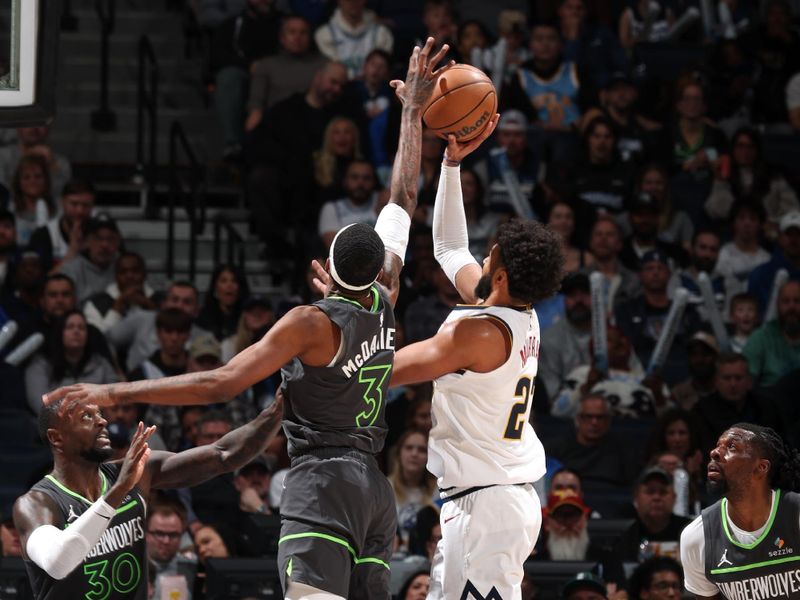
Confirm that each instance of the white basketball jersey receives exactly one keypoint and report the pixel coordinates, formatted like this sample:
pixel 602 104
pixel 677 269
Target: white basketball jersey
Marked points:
pixel 481 434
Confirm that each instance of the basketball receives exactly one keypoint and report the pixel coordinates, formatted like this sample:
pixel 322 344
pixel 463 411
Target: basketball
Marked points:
pixel 462 104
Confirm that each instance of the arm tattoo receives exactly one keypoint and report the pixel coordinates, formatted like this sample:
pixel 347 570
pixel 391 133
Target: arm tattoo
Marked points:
pixel 405 172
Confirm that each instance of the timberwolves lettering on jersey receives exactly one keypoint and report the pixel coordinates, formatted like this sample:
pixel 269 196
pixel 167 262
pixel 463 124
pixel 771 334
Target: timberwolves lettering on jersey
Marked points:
pixel 116 568
pixel 769 567
pixel 343 404
pixel 481 434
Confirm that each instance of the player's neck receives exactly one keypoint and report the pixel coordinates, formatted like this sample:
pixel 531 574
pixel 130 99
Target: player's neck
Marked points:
pixel 750 509
pixel 365 299
pixel 501 298
pixel 79 476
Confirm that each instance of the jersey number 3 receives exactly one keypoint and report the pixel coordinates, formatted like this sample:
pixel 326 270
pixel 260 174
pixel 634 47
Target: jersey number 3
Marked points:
pixel 517 417
pixel 376 380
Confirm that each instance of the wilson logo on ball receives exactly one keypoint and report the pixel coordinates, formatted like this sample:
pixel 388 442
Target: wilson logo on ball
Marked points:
pixel 467 129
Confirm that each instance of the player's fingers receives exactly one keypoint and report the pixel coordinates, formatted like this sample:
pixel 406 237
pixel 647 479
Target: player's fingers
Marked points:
pixel 395 83
pixel 425 53
pixel 413 60
pixel 55 395
pixel 436 59
pixel 443 68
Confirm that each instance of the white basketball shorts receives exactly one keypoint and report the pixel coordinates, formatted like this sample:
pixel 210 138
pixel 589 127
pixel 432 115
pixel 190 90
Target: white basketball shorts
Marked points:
pixel 486 537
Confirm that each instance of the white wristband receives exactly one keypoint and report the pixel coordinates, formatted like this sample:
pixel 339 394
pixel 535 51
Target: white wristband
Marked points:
pixel 392 227
pixel 58 551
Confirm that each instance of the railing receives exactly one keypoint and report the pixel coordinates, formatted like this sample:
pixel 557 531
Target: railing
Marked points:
pixel 234 242
pixel 193 201
pixel 104 119
pixel 147 108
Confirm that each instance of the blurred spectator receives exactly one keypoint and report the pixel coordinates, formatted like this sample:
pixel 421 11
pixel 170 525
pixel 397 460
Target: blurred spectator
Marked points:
pixel 240 33
pixel 785 256
pixel 416 586
pixel 166 522
pixel 351 34
pixel 253 482
pixel 358 206
pixel 702 351
pixel 430 166
pixel 217 541
pixel 674 225
pixel 68 359
pixel 657 578
pixel 605 243
pixel 567 340
pixel 425 315
pixel 61 238
pixel 793 101
pixel 655 529
pixel 630 393
pixel 566 480
pixel 645 216
pixel 340 147
pixel 427 533
pixel 280 184
pixel 93 270
pixel 703 255
pixel 136 332
pixel 777 48
pixel 645 21
pixel 32 196
pixel 676 432
pixel 8 242
pixel 744 320
pixel 734 402
pixel 591 451
pixel 642 318
pixel 33 141
pixel 547 86
pixel 481 222
pixel 784 394
pixel 223 305
pixel 9 537
pixel 746 175
pixel 439 21
pixel 130 291
pixel 740 256
pixel 567 537
pixel 257 317
pixel 376 96
pixel 414 487
pixel 126 417
pixel 732 71
pixel 472 38
pixel 585 586
pixel 561 219
pixel 510 50
pixel 774 348
pixel 22 289
pixel 618 98
pixel 275 78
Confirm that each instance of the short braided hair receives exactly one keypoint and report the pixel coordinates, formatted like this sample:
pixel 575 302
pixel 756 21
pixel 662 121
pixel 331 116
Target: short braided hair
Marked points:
pixel 784 469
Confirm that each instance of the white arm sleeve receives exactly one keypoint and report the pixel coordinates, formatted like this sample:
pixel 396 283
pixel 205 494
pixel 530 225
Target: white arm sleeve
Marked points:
pixel 58 552
pixel 392 226
pixel 693 560
pixel 450 239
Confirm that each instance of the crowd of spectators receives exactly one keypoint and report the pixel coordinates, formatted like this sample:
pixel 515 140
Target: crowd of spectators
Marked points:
pixel 640 131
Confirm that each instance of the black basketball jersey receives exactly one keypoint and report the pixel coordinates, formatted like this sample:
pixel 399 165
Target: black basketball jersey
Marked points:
pixel 767 568
pixel 116 568
pixel 344 403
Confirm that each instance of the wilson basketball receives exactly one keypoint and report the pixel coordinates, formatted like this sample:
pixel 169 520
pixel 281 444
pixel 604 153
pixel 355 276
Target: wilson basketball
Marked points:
pixel 462 104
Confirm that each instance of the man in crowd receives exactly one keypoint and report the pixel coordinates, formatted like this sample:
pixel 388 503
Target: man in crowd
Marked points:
pixel 644 214
pixel 703 257
pixel 701 353
pixel 774 348
pixel 359 206
pixel 62 238
pixel 129 292
pixel 425 315
pixel 166 524
pixel 620 284
pixel 657 578
pixel 786 256
pixel 93 270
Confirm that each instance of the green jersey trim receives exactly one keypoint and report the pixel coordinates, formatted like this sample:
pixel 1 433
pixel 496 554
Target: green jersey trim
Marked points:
pixel 336 540
pixel 127 506
pixel 766 563
pixel 66 490
pixel 375 300
pixel 723 507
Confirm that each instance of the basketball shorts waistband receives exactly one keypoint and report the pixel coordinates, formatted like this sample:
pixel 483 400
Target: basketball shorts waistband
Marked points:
pixel 454 493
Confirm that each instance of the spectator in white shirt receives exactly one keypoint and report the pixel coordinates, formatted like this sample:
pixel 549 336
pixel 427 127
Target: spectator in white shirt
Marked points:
pixel 359 206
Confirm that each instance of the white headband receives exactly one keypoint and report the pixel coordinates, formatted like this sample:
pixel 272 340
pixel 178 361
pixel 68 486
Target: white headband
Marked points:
pixel 335 275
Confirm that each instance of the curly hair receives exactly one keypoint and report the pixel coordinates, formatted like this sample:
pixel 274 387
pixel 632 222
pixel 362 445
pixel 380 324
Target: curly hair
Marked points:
pixel 784 467
pixel 642 578
pixel 532 256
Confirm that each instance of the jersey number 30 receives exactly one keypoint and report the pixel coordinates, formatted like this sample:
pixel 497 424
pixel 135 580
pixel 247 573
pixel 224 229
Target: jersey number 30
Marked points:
pixel 517 417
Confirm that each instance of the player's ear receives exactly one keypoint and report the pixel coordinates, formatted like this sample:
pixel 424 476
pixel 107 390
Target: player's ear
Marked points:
pixel 328 264
pixel 55 438
pixel 763 467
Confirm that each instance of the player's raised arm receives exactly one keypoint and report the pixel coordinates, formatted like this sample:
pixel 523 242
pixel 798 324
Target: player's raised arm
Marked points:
pixel 395 218
pixel 450 239
pixel 294 335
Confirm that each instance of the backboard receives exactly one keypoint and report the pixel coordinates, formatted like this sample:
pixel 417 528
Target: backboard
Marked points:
pixel 28 53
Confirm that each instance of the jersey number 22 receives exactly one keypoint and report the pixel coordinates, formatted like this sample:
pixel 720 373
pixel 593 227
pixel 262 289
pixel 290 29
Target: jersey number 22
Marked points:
pixel 519 412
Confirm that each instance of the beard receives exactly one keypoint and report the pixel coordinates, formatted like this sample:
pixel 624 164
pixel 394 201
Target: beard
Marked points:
pixel 484 287
pixel 97 455
pixel 580 314
pixel 568 547
pixel 718 488
pixel 790 324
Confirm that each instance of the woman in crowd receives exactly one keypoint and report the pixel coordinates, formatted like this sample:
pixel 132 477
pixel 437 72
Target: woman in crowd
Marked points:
pixel 747 175
pixel 68 360
pixel 223 304
pixel 340 145
pixel 415 587
pixel 674 226
pixel 676 433
pixel 257 317
pixel 561 219
pixel 33 200
pixel 414 487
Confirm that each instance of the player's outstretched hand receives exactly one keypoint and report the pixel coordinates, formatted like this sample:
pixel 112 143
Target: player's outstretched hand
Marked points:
pixel 75 395
pixel 416 90
pixel 456 151
pixel 322 279
pixel 132 465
